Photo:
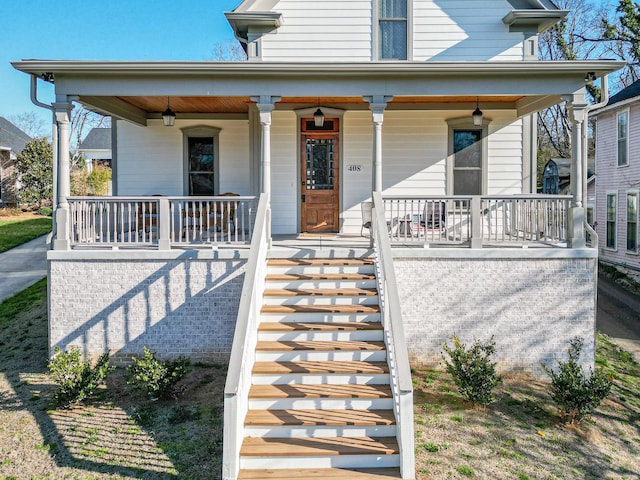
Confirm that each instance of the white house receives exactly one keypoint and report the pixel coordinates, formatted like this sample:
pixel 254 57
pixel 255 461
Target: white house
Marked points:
pixel 618 181
pixel 12 141
pixel 242 189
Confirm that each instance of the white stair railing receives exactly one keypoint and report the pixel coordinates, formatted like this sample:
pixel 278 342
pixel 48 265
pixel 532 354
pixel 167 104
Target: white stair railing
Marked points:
pixel 397 358
pixel 243 350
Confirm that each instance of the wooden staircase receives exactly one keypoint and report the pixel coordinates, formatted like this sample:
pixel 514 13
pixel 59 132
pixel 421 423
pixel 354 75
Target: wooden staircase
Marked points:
pixel 320 405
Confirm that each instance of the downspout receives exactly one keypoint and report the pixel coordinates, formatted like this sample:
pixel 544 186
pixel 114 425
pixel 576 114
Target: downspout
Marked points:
pixel 604 99
pixel 54 142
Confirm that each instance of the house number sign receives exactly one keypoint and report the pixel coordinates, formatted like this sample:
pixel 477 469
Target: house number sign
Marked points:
pixel 354 168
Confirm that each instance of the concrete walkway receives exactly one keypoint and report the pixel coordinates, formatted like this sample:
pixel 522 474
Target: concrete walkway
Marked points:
pixel 22 266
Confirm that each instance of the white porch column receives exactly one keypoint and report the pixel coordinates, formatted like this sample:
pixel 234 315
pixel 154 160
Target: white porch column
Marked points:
pixel 377 105
pixel 265 104
pixel 62 113
pixel 577 105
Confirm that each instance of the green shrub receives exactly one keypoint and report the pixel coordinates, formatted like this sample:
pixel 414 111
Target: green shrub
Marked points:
pixel 98 180
pixel 576 394
pixel 472 370
pixel 156 378
pixel 77 380
pixel 45 211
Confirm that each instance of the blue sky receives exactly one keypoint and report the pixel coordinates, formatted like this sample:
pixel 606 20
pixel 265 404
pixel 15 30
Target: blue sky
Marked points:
pixel 102 30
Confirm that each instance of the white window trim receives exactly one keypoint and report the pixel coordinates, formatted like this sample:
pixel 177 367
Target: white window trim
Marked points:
pixel 375 33
pixel 466 123
pixel 622 112
pixel 606 220
pixel 635 192
pixel 201 131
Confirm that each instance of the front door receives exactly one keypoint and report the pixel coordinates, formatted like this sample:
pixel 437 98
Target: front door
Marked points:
pixel 320 174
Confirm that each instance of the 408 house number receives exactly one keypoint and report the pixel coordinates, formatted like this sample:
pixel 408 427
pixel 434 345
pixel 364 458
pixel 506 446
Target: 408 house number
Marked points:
pixel 354 168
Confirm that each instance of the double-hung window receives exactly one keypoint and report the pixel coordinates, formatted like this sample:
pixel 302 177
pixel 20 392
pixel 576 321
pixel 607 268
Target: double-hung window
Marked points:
pixel 623 139
pixel 612 207
pixel 632 222
pixel 393 24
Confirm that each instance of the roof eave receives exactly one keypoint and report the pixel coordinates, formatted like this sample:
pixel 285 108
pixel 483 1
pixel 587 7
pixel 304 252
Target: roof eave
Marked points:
pixel 243 22
pixel 533 20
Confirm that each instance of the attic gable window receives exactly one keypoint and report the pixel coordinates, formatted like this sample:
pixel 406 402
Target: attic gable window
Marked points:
pixel 393 24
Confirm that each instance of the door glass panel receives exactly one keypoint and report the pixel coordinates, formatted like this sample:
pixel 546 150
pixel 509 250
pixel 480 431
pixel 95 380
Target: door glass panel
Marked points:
pixel 201 166
pixel 319 164
pixel 467 148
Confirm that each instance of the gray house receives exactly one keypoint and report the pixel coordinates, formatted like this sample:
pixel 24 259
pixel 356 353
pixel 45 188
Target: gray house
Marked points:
pixel 12 141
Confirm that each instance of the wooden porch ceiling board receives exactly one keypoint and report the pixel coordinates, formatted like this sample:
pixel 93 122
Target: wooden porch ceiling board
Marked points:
pixel 157 104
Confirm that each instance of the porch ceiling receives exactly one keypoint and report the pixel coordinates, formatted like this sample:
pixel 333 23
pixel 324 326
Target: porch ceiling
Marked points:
pixel 200 105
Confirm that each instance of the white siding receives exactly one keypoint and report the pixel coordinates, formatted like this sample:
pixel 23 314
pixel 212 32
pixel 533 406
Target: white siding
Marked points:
pixel 464 30
pixel 329 30
pixel 504 169
pixel 150 159
pixel 333 30
pixel 611 179
pixel 284 173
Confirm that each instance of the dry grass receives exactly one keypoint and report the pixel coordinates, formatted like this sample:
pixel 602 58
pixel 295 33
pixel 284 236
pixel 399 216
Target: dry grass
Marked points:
pixel 116 436
pixel 520 436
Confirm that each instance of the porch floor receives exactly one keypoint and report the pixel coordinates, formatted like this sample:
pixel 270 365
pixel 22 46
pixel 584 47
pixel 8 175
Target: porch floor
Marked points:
pixel 320 246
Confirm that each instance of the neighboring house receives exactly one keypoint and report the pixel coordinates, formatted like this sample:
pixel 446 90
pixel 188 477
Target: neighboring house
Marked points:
pixel 96 148
pixel 229 179
pixel 618 181
pixel 564 173
pixel 12 141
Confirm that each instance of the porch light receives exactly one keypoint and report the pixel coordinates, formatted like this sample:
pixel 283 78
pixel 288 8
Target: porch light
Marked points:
pixel 168 117
pixel 477 115
pixel 318 118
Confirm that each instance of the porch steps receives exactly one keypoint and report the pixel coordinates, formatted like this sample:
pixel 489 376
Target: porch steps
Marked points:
pixel 321 404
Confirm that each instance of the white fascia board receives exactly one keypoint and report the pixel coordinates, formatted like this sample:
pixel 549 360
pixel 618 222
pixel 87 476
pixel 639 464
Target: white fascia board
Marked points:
pixel 242 22
pixel 189 68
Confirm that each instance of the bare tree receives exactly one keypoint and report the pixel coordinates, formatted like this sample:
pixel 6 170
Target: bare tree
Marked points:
pixel 228 51
pixel 32 124
pixel 81 122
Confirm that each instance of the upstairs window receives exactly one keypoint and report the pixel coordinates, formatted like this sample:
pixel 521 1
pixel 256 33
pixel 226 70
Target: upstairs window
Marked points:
pixel 393 23
pixel 623 139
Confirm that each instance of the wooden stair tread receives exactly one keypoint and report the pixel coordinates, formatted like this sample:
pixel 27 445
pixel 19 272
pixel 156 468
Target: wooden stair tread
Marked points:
pixel 320 391
pixel 319 276
pixel 327 473
pixel 337 308
pixel 318 417
pixel 321 292
pixel 286 447
pixel 328 345
pixel 318 326
pixel 331 366
pixel 298 262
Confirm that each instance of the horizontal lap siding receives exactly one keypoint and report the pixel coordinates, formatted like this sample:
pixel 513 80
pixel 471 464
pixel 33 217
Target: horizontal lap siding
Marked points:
pixel 464 30
pixel 150 159
pixel 611 178
pixel 504 169
pixel 284 173
pixel 329 30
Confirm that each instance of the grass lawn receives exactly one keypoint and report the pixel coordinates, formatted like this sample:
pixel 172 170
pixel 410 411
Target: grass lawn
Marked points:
pixel 118 436
pixel 15 231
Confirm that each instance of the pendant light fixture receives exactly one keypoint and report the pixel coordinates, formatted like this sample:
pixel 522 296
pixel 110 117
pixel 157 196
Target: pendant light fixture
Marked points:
pixel 168 117
pixel 318 117
pixel 477 115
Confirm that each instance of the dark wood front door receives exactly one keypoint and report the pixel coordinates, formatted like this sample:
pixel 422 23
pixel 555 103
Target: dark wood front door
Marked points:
pixel 320 174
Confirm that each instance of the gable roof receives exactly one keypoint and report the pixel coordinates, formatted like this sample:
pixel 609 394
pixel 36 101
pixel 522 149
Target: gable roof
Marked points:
pixel 97 139
pixel 11 136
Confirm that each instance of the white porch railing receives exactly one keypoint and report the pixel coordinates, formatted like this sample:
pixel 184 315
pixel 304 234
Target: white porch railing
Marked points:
pixel 477 221
pixel 243 350
pixel 397 356
pixel 160 222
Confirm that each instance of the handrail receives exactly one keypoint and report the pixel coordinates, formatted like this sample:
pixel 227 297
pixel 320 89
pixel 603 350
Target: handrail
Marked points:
pixel 244 344
pixel 397 358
